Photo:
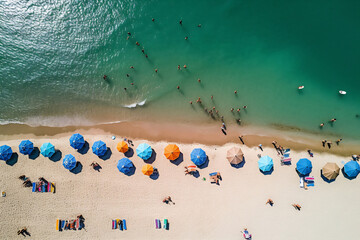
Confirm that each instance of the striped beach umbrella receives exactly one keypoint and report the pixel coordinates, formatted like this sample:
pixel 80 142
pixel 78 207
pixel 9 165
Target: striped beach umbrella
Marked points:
pixel 198 156
pixel 69 162
pixel 5 152
pixel 125 165
pixel 26 147
pixel 77 141
pixel 144 151
pixel 99 148
pixel 47 149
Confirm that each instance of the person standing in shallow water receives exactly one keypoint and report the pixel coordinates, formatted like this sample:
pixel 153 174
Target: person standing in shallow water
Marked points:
pixel 241 139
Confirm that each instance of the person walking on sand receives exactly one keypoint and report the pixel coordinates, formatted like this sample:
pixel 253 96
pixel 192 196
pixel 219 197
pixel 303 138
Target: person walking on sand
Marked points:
pixel 224 126
pixel 241 139
pixel 338 141
pixel 223 130
pixel 296 206
pixel 260 146
pixel 329 144
pixel 270 202
pixel 323 142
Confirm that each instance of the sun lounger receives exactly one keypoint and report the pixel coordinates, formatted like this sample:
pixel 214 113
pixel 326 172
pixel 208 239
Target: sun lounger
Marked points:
pixel 302 182
pixel 124 224
pixel 166 224
pixel 34 187
pixel 58 222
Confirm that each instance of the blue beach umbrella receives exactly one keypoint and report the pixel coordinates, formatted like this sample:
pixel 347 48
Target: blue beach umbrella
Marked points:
pixel 77 141
pixel 47 149
pixel 265 163
pixel 198 156
pixel 69 162
pixel 144 151
pixel 352 169
pixel 99 148
pixel 5 152
pixel 26 147
pixel 304 166
pixel 125 165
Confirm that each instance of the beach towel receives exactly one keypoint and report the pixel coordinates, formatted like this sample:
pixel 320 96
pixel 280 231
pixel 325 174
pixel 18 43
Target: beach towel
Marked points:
pixel 312 184
pixel 124 224
pixel 62 224
pixel 57 225
pixel 287 150
pixel 113 224
pixel 286 155
pixel 77 224
pixel 156 224
pixel 302 182
pixel 309 178
pixel 49 187
pixel 34 187
pixel 213 174
pixel 52 187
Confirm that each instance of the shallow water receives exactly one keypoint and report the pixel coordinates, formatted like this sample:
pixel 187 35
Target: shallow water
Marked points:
pixel 53 57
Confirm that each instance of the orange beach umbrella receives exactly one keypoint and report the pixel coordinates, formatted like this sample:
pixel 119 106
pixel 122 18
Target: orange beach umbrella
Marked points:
pixel 172 152
pixel 147 169
pixel 122 147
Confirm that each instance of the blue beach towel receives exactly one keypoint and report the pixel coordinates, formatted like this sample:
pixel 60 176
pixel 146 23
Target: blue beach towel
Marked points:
pixel 34 187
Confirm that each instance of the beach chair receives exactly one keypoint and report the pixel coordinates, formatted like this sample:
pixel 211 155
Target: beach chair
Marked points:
pixel 166 224
pixel 33 187
pixel 124 224
pixel 53 187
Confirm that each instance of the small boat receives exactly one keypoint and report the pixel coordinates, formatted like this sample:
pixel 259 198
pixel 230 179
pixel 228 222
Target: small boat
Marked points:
pixel 342 92
pixel 301 87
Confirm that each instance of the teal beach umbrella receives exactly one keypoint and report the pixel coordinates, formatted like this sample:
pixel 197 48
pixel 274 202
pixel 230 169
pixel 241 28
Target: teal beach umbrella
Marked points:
pixel 265 163
pixel 47 149
pixel 144 151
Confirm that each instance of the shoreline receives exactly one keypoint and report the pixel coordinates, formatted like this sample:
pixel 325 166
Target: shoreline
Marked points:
pixel 207 134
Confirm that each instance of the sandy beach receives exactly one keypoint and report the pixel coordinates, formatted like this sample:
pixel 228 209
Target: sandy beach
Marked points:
pixel 202 210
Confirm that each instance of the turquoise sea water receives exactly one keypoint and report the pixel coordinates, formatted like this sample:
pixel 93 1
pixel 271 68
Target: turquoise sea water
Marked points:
pixel 53 56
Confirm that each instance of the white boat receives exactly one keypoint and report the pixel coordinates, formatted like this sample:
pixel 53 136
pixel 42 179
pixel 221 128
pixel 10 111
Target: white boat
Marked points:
pixel 342 92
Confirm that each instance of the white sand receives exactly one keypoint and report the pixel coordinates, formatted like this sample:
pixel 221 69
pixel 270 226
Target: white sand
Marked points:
pixel 202 210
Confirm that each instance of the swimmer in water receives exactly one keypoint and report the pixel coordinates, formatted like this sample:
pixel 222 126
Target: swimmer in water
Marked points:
pixel 180 22
pixel 156 70
pixel 178 87
pixel 322 124
pixel 235 92
pixel 105 77
pixel 185 66
pixel 131 67
pixel 199 80
pixel 179 68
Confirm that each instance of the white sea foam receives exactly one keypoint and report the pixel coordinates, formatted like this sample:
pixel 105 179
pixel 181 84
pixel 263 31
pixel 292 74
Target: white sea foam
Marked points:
pixel 57 121
pixel 134 105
